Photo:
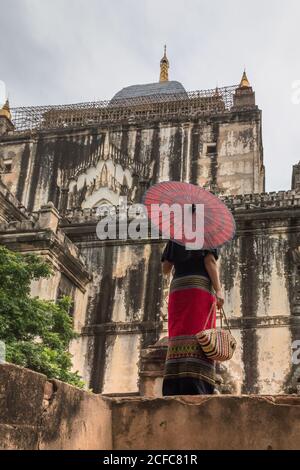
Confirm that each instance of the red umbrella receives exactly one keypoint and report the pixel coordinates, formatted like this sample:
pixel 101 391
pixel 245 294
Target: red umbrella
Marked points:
pixel 218 225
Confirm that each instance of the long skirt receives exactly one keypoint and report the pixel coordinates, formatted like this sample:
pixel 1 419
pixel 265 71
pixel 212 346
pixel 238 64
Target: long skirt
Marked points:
pixel 187 370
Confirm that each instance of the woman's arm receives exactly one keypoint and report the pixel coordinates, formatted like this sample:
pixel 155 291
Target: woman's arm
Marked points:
pixel 212 269
pixel 167 267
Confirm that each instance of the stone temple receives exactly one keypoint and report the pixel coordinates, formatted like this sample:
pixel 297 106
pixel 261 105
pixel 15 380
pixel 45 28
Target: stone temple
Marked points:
pixel 59 164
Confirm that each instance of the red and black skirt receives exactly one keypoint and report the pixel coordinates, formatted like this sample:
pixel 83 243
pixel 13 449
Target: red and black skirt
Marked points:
pixel 187 370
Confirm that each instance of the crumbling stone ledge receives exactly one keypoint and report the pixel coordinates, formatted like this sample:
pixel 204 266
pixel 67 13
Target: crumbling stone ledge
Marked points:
pixel 39 414
pixel 220 422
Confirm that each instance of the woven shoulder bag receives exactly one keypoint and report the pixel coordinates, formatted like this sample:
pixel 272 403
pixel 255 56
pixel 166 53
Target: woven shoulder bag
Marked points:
pixel 217 343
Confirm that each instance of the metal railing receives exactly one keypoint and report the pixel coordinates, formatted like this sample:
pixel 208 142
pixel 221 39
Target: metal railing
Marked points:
pixel 138 109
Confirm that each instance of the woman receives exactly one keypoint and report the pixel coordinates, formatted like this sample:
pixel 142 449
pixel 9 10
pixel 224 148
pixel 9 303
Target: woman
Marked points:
pixel 195 291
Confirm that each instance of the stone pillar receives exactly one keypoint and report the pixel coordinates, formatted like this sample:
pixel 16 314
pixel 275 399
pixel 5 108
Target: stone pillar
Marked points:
pixel 48 217
pixel 63 203
pixel 152 363
pixel 5 125
pixel 296 177
pixel 244 97
pixel 143 186
pixel 296 291
pixel 5 119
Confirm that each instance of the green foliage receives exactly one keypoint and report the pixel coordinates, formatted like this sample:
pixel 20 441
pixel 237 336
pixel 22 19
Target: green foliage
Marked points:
pixel 36 332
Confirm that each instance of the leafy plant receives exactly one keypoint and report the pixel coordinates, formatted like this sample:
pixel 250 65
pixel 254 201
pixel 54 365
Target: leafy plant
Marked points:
pixel 36 332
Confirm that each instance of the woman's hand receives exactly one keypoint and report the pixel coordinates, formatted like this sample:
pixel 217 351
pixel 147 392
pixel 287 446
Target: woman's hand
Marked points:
pixel 166 267
pixel 212 269
pixel 220 298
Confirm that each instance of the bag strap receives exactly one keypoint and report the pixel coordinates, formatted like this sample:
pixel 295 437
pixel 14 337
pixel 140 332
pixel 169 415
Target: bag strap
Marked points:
pixel 225 318
pixel 209 314
pixel 222 315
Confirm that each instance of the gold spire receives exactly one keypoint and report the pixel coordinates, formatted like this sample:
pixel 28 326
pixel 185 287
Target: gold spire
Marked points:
pixel 5 110
pixel 164 67
pixel 245 82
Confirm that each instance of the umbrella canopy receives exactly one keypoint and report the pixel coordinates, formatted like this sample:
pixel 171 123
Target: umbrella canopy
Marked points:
pixel 217 227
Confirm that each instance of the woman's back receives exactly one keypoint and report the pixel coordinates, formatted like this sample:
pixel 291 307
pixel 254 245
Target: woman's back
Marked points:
pixel 186 262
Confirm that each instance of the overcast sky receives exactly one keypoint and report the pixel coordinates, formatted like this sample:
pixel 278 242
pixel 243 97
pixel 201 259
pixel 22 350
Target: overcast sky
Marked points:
pixel 64 51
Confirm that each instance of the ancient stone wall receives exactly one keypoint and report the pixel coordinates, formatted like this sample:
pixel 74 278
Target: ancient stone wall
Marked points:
pixel 127 306
pixel 124 309
pixel 59 416
pixel 39 414
pixel 84 167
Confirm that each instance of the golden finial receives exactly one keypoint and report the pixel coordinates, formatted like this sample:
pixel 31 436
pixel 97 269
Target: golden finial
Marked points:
pixel 5 110
pixel 245 82
pixel 164 67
